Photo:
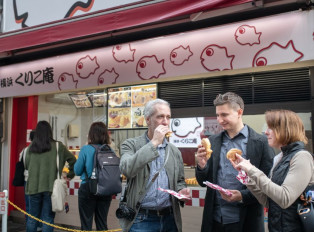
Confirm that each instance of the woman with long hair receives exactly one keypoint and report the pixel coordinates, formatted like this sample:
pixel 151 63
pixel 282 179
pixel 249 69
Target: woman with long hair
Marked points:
pixel 90 204
pixel 42 171
pixel 291 174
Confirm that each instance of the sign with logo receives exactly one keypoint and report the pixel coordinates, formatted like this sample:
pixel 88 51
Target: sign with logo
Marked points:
pixel 246 44
pixel 186 131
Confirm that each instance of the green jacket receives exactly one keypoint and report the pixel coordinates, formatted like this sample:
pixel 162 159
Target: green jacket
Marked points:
pixel 136 158
pixel 42 168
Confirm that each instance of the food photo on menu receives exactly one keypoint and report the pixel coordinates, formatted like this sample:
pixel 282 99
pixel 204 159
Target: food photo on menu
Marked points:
pixel 138 119
pixel 119 117
pixel 120 98
pixel 143 94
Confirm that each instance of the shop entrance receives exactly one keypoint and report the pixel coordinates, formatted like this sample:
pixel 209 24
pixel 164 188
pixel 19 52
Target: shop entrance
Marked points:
pixel 24 119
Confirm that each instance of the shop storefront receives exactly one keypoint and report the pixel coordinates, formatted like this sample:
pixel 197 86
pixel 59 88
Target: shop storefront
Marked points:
pixel 268 63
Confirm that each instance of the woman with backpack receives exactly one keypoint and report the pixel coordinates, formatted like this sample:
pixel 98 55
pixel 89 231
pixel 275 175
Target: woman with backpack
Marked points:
pixel 41 163
pixel 90 204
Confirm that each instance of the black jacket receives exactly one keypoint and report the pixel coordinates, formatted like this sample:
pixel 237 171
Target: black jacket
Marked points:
pixel 251 213
pixel 284 220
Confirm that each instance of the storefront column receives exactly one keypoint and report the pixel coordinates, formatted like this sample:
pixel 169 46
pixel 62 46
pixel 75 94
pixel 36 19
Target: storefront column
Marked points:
pixel 311 75
pixel 24 118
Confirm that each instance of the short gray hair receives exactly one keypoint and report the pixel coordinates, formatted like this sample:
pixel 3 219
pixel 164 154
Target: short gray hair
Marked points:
pixel 233 99
pixel 149 109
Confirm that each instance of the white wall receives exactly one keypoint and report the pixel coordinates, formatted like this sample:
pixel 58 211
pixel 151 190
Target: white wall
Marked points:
pixel 66 113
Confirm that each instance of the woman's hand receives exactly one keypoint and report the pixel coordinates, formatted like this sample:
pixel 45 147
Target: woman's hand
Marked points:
pixel 241 163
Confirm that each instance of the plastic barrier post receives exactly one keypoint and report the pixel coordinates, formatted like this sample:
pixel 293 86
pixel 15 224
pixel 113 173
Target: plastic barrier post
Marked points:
pixel 4 209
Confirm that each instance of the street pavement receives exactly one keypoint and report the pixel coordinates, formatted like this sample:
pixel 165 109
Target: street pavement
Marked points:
pixel 17 226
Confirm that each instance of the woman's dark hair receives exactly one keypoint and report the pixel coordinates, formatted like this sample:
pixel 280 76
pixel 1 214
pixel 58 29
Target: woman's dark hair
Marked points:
pixel 31 135
pixel 42 138
pixel 98 134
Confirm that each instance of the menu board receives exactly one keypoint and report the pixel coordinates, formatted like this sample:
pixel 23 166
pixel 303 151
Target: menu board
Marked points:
pixel 126 106
pixel 81 100
pixel 98 99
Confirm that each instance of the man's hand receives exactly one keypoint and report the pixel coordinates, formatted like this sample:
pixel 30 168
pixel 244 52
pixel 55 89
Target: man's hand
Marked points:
pixel 159 135
pixel 201 157
pixel 236 196
pixel 186 192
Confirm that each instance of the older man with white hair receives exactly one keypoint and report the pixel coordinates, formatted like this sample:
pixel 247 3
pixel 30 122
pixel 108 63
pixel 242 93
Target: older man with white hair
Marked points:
pixel 141 159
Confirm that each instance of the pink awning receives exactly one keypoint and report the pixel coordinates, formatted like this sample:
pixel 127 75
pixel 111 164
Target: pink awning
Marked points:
pixel 166 10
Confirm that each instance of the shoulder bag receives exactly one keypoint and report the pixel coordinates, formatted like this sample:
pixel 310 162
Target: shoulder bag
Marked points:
pixel 59 191
pixel 306 209
pixel 19 177
pixel 124 211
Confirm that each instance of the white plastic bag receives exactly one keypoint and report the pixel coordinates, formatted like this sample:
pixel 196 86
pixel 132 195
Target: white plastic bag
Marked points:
pixel 59 191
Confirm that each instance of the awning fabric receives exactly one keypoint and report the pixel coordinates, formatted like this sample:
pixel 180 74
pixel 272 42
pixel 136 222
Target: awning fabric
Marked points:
pixel 30 37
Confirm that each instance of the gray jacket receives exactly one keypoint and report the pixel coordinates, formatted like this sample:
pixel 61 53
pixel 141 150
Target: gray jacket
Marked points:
pixel 136 158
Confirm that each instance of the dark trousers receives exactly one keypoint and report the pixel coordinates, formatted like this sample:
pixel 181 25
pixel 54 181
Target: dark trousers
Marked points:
pixel 90 205
pixel 232 227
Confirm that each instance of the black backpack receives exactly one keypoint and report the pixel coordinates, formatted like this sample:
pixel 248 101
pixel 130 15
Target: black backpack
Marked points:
pixel 106 176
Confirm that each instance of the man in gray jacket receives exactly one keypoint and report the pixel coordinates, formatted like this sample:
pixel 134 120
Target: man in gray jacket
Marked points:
pixel 141 158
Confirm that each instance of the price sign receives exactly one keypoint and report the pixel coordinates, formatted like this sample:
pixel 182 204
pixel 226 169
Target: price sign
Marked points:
pixel 3 208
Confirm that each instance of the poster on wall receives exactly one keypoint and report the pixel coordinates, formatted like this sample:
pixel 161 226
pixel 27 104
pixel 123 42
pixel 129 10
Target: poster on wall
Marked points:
pixel 140 96
pixel 81 101
pixel 126 105
pixel 211 127
pixel 186 131
pixel 98 99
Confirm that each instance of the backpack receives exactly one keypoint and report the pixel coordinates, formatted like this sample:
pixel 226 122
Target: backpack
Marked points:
pixel 106 176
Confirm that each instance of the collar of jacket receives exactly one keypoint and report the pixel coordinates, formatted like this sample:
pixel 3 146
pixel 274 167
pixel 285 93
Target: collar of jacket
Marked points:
pixel 295 146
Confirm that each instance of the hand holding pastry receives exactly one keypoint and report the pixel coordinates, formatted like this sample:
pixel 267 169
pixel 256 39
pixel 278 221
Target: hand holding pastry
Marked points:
pixel 237 161
pixel 231 154
pixel 242 164
pixel 159 135
pixel 206 144
pixel 203 153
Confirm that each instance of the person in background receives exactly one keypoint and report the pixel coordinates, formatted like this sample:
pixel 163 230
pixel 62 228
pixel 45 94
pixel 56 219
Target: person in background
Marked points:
pixel 42 171
pixel 241 211
pixel 292 171
pixel 141 158
pixel 113 145
pixel 90 204
pixel 23 157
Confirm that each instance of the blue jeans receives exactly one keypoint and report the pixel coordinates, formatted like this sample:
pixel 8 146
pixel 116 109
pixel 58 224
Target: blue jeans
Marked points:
pixel 40 205
pixel 26 202
pixel 153 223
